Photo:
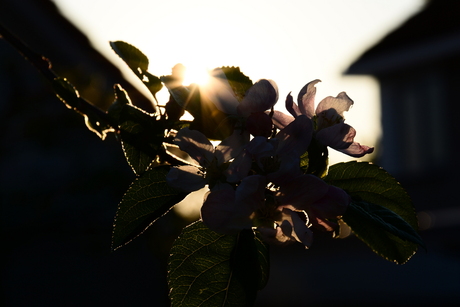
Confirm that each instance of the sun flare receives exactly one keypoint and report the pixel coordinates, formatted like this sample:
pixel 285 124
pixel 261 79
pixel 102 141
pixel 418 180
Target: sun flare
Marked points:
pixel 195 74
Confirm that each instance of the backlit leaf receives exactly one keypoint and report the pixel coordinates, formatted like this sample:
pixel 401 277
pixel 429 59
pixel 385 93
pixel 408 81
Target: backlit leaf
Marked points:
pixel 139 64
pixel 370 185
pixel 134 58
pixel 206 268
pixel 239 82
pixel 385 232
pixel 142 136
pixel 147 199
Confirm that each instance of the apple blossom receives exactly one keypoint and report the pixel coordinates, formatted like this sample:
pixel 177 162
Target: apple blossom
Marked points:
pixel 329 119
pixel 208 161
pixel 260 97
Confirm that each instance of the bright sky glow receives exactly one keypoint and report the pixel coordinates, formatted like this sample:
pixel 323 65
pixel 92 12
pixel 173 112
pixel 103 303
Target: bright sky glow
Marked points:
pixel 196 74
pixel 291 42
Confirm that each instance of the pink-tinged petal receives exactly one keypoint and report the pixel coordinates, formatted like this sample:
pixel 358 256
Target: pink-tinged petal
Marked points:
pixel 196 144
pixel 332 206
pixel 295 138
pixel 322 224
pixel 260 147
pixel 274 236
pixel 281 120
pixel 339 136
pixel 217 208
pixel 174 151
pixel 219 92
pixel 340 104
pixel 260 97
pixel 185 178
pixel 239 167
pixel 288 171
pixel 302 192
pixel 291 106
pixel 293 229
pixel 259 124
pixel 250 194
pixel 221 213
pixel 231 146
pixel 357 150
pixel 306 99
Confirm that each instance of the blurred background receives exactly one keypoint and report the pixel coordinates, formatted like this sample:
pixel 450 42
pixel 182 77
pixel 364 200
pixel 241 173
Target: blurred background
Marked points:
pixel 60 184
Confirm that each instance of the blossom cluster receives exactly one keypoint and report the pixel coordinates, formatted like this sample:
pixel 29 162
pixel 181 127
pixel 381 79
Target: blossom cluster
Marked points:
pixel 260 176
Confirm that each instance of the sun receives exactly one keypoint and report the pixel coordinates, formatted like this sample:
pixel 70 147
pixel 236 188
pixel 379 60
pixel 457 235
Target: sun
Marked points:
pixel 196 74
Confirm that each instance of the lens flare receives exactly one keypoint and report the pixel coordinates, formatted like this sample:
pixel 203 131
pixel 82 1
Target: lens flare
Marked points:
pixel 195 74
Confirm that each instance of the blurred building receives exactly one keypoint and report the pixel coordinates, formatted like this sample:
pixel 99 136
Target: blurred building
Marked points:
pixel 418 68
pixel 39 24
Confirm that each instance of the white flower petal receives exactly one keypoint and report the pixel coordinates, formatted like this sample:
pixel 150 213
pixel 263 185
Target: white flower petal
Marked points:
pixel 239 168
pixel 357 150
pixel 291 106
pixel 340 104
pixel 302 192
pixel 260 147
pixel 185 178
pixel 196 144
pixel 221 213
pixel 281 120
pixel 250 193
pixel 339 136
pixel 306 99
pixel 260 97
pixel 295 138
pixel 231 146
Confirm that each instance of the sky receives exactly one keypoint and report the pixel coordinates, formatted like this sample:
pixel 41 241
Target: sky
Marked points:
pixel 291 42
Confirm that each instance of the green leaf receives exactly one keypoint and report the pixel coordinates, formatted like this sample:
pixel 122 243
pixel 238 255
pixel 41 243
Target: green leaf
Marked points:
pixel 134 58
pixel 142 136
pixel 371 183
pixel 304 161
pixel 141 133
pixel 120 111
pixel 385 232
pixel 206 268
pixel 239 82
pixel 139 63
pixel 368 183
pixel 147 199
